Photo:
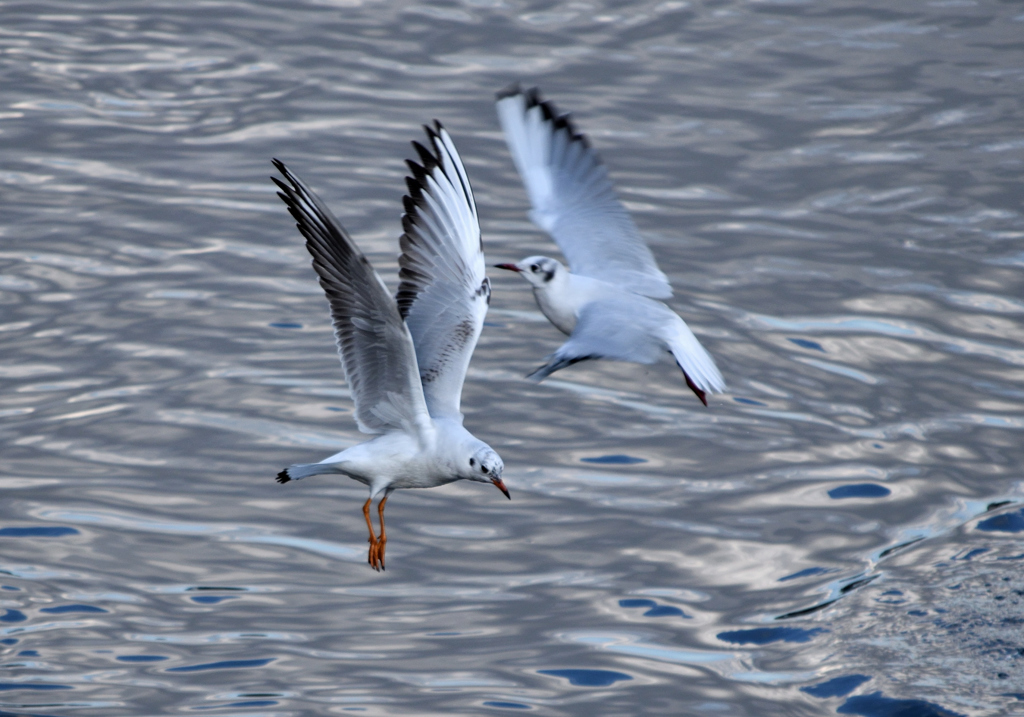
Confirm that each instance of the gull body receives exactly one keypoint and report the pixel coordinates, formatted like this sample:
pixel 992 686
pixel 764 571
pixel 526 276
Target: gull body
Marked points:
pixel 399 460
pixel 405 358
pixel 606 301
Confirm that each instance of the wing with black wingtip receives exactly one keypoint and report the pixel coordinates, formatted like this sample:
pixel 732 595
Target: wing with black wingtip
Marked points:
pixel 444 290
pixel 572 197
pixel 374 343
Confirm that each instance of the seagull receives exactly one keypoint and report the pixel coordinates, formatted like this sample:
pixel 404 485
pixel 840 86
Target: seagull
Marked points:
pixel 405 359
pixel 605 302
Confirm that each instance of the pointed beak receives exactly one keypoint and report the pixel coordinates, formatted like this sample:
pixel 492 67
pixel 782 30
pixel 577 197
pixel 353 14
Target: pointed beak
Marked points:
pixel 500 485
pixel 508 267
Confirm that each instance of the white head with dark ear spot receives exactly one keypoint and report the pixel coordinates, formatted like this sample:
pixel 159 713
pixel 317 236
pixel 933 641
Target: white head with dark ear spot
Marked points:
pixel 485 466
pixel 538 270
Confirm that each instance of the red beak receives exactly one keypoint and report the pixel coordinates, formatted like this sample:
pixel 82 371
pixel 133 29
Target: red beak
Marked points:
pixel 509 267
pixel 501 486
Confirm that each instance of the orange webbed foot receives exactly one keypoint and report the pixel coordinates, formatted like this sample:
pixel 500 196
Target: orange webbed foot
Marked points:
pixel 376 555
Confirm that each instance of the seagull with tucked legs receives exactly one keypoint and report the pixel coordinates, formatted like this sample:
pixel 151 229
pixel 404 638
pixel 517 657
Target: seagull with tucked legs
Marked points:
pixel 606 301
pixel 405 358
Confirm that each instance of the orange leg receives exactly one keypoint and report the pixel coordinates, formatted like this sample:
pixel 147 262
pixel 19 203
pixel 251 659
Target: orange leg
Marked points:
pixel 382 543
pixel 371 558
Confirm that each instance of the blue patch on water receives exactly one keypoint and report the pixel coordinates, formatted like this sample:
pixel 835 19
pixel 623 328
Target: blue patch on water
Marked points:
pixel 837 687
pixel 9 587
pixel 859 490
pixel 655 610
pixel 1005 523
pixel 917 613
pixel 971 554
pixel 665 611
pixel 285 325
pixel 211 599
pixel 223 665
pixel 765 635
pixel 806 572
pixel 29 653
pixel 46 531
pixel 8 641
pixel 496 326
pixel 616 459
pixel 875 705
pixel 8 686
pixel 72 608
pixel 13 616
pixel 748 401
pixel 588 678
pixel 507 705
pixel 336 408
pixel 247 703
pixel 141 658
pixel 805 344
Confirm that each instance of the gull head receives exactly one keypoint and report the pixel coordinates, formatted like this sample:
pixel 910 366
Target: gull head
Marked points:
pixel 538 270
pixel 485 466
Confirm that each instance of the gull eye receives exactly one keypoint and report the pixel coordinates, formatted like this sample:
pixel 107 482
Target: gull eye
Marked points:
pixel 483 468
pixel 534 268
pixel 472 462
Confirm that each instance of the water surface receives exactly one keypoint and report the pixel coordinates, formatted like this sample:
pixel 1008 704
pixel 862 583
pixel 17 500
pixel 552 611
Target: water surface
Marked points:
pixel 833 189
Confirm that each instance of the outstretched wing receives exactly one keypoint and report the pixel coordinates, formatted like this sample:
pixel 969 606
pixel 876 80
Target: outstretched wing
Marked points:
pixel 374 344
pixel 572 196
pixel 637 330
pixel 444 291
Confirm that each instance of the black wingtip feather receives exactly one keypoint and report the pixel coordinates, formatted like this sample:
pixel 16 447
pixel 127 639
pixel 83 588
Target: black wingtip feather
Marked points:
pixel 548 110
pixel 511 91
pixel 427 158
pixel 408 205
pixel 693 387
pixel 434 132
pixel 417 180
pixel 283 476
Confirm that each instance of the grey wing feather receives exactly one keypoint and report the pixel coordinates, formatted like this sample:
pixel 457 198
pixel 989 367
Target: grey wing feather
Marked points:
pixel 573 198
pixel 640 330
pixel 444 290
pixel 610 329
pixel 374 345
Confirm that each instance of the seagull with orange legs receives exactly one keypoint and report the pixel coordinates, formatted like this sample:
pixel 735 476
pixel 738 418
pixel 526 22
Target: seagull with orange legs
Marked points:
pixel 405 358
pixel 605 302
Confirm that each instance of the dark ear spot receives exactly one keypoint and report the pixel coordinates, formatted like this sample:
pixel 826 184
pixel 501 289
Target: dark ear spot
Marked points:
pixel 472 462
pixel 549 274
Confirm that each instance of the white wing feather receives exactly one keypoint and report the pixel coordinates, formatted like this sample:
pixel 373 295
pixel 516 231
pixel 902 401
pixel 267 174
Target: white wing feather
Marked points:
pixel 444 291
pixel 573 198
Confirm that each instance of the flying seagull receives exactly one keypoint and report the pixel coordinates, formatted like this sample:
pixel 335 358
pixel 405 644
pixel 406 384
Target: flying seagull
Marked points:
pixel 606 300
pixel 405 359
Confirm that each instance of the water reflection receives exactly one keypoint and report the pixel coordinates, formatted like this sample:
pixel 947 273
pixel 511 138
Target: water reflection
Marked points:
pixel 832 188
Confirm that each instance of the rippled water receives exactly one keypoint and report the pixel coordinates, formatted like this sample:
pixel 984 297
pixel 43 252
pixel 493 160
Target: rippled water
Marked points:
pixel 834 190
